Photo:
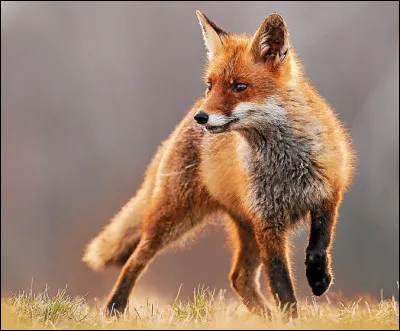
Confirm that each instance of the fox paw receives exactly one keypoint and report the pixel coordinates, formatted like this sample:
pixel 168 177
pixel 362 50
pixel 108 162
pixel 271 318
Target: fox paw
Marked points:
pixel 116 307
pixel 317 272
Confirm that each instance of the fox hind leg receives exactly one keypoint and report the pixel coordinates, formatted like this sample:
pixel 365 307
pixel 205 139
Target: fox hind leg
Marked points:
pixel 161 228
pixel 246 268
pixel 274 253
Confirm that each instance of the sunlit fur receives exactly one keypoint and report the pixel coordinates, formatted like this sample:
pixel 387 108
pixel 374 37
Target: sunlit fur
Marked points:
pixel 280 157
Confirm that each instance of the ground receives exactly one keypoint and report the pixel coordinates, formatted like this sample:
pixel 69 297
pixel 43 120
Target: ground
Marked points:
pixel 205 310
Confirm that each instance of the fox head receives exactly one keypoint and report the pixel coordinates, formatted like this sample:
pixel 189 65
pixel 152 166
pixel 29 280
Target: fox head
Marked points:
pixel 244 73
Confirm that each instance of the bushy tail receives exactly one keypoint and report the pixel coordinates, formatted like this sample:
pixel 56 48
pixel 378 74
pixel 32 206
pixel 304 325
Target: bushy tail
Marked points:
pixel 117 241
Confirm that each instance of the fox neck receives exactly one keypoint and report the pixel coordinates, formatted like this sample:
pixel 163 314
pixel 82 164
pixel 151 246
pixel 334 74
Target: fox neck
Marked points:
pixel 255 119
pixel 273 136
pixel 269 136
pixel 278 159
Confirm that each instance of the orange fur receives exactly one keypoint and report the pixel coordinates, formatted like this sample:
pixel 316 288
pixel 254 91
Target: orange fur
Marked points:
pixel 195 174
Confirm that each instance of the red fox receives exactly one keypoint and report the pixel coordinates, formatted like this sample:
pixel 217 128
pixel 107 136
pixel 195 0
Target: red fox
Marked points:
pixel 263 148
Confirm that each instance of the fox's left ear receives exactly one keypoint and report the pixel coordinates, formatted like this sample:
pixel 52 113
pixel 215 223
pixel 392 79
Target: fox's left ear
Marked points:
pixel 271 41
pixel 213 35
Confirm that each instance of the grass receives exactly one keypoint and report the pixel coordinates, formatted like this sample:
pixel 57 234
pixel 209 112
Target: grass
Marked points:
pixel 205 310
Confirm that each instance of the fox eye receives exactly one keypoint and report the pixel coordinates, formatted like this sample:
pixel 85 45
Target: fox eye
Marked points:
pixel 209 85
pixel 239 87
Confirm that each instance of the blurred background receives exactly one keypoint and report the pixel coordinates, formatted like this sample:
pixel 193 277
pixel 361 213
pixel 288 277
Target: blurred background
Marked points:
pixel 90 89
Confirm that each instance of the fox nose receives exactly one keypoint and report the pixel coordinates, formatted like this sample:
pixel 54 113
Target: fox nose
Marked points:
pixel 201 117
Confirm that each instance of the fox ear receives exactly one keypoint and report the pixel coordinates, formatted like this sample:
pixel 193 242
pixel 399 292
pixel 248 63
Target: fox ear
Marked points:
pixel 271 41
pixel 213 35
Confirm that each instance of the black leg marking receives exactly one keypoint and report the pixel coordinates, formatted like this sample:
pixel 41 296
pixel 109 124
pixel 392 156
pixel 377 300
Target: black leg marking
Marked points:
pixel 274 251
pixel 318 258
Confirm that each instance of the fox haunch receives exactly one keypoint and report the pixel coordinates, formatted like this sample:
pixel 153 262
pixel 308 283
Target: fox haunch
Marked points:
pixel 262 147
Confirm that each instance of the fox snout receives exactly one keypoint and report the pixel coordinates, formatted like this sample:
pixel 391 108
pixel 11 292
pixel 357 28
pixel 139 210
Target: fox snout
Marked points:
pixel 214 123
pixel 209 120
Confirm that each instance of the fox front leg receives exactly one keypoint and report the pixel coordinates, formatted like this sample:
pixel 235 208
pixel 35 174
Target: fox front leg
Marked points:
pixel 318 256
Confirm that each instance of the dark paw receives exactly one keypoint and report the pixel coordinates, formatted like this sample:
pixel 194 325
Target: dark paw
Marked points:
pixel 317 271
pixel 116 307
pixel 319 287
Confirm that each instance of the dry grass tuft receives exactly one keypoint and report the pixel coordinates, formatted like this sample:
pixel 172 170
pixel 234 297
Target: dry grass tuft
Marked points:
pixel 206 310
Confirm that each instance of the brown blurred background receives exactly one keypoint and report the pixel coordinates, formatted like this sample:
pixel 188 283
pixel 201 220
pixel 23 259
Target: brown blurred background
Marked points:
pixel 90 89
